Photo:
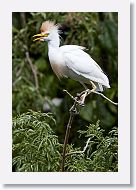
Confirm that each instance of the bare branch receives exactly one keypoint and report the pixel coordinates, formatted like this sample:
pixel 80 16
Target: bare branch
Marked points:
pixel 23 19
pixel 72 114
pixel 34 71
pixel 69 94
pixel 80 152
pixel 105 97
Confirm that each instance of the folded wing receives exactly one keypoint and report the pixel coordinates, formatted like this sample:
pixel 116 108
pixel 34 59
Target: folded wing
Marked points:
pixel 83 65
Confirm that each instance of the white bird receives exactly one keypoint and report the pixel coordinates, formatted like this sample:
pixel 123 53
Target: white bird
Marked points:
pixel 71 60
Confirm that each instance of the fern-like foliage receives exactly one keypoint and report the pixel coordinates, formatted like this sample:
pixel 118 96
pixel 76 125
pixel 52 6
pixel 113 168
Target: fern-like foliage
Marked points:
pixel 37 149
pixel 35 146
pixel 102 150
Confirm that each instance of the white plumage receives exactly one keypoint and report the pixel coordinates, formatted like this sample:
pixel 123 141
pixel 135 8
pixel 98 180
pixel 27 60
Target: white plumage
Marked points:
pixel 71 60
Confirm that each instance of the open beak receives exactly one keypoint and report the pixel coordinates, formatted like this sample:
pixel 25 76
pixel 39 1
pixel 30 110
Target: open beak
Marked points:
pixel 38 37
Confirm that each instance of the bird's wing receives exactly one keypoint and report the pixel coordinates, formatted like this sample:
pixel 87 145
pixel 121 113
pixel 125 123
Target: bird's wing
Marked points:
pixel 82 64
pixel 67 48
pixel 78 50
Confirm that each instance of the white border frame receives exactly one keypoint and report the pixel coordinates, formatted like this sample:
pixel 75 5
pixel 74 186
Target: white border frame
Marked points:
pixel 120 177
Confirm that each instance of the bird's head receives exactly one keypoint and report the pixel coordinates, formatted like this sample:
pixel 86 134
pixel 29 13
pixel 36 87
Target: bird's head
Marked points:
pixel 48 31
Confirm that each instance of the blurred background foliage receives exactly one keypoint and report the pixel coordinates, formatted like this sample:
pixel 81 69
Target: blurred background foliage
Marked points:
pixel 36 87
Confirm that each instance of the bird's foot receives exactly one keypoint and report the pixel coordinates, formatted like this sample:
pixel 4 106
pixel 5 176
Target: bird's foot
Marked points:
pixel 81 96
pixel 93 90
pixel 87 91
pixel 94 87
pixel 80 103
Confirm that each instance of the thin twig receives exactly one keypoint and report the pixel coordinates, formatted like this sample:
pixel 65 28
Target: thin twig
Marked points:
pixel 20 70
pixel 34 71
pixel 70 95
pixel 105 97
pixel 80 152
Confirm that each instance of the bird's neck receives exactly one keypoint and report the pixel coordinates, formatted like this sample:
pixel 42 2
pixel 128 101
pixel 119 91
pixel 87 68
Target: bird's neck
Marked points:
pixel 55 41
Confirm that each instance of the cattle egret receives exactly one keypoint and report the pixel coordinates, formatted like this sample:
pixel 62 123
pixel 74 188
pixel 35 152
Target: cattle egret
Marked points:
pixel 71 60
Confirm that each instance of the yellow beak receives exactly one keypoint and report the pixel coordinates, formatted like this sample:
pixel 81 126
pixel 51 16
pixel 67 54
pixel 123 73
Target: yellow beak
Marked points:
pixel 39 37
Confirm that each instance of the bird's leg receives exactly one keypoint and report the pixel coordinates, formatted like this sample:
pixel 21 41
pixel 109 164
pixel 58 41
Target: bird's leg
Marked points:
pixel 80 98
pixel 83 94
pixel 84 85
pixel 79 94
pixel 94 87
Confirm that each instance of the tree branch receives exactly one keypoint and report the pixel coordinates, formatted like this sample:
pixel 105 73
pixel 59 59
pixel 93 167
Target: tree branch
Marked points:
pixel 73 112
pixel 80 152
pixel 34 71
pixel 105 97
pixel 23 19
pixel 78 100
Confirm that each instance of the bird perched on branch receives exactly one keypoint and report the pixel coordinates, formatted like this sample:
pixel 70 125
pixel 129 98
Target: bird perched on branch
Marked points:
pixel 71 60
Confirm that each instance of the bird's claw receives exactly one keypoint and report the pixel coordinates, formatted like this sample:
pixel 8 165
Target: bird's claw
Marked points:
pixel 80 98
pixel 80 103
pixel 87 91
